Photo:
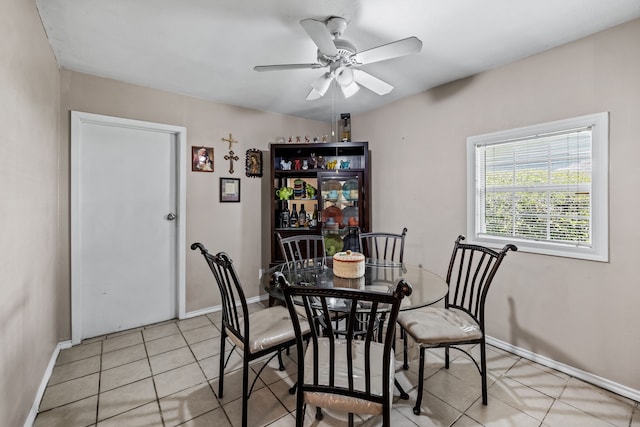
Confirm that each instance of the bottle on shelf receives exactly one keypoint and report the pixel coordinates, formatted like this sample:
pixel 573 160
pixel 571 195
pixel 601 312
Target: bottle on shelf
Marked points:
pixel 314 217
pixel 302 220
pixel 293 219
pixel 346 126
pixel 285 217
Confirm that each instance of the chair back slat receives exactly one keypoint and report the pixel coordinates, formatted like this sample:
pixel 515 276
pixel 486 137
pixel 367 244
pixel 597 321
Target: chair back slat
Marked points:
pixel 470 274
pixel 383 246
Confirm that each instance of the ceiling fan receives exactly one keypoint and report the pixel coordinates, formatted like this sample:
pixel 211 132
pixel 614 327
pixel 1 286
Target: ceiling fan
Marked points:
pixel 343 59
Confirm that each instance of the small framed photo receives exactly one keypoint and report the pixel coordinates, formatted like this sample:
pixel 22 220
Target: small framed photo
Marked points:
pixel 229 189
pixel 254 163
pixel 202 159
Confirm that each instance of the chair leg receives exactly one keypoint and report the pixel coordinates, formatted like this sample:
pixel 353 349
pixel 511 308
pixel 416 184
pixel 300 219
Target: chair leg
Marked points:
pixel 223 337
pixel 281 367
pixel 403 394
pixel 293 388
pixel 416 409
pixel 405 349
pixel 350 419
pixel 446 357
pixel 483 373
pixel 245 391
pixel 300 417
pixel 319 415
pixel 386 416
pixel 301 410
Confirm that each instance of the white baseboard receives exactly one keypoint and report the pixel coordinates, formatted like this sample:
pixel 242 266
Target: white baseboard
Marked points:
pixel 604 383
pixel 43 384
pixel 216 308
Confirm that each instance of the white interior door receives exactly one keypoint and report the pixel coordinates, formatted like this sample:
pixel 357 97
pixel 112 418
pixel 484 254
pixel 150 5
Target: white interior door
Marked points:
pixel 125 228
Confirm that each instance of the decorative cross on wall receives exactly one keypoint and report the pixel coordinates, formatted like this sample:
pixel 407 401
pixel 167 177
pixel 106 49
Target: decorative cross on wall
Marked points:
pixel 230 140
pixel 231 156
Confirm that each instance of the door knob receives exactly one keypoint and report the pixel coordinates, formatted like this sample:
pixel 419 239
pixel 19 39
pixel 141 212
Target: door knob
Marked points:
pixel 171 216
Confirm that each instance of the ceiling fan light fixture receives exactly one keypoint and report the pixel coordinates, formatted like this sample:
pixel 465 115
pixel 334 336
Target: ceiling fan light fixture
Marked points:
pixel 344 76
pixel 322 84
pixel 350 90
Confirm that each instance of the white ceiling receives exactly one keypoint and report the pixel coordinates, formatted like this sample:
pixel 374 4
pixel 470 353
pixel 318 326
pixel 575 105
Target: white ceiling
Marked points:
pixel 208 48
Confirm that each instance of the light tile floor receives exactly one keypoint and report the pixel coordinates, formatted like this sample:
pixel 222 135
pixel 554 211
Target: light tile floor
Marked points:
pixel 167 375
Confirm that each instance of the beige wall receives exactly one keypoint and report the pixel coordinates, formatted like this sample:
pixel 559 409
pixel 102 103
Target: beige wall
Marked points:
pixel 580 313
pixel 29 103
pixel 241 229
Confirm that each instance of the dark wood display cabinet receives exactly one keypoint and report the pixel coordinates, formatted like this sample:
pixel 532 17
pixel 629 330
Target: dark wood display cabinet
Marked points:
pixel 332 179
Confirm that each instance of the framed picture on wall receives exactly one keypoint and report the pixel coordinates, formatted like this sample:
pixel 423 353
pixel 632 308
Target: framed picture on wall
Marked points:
pixel 229 189
pixel 202 159
pixel 254 163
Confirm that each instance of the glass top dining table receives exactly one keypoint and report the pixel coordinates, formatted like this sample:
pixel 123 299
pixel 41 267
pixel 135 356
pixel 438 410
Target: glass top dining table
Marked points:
pixel 380 276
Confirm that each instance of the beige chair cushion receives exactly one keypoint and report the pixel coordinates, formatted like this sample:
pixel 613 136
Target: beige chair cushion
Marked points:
pixel 269 328
pixel 435 325
pixel 345 403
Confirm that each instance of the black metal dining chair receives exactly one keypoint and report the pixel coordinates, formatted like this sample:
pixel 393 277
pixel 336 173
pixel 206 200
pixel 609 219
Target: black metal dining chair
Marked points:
pixel 256 334
pixel 383 246
pixel 302 247
pixel 472 269
pixel 347 372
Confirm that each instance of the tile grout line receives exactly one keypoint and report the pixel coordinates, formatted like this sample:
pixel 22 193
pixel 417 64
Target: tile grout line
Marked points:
pixel 99 382
pixel 203 372
pixel 69 380
pixel 221 405
pixel 153 380
pixel 134 408
pixel 124 364
pixel 220 354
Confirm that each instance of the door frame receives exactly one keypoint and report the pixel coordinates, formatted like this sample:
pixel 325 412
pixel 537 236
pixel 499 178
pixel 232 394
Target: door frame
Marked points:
pixel 78 119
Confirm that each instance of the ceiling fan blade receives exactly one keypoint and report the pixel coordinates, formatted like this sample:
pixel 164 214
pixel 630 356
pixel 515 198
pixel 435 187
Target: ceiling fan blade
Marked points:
pixel 320 35
pixel 279 67
pixel 372 83
pixel 390 50
pixel 313 95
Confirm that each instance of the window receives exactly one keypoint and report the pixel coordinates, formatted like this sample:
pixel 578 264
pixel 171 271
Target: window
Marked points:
pixel 542 187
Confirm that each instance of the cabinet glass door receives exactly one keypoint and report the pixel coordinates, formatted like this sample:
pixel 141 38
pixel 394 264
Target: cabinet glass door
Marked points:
pixel 340 201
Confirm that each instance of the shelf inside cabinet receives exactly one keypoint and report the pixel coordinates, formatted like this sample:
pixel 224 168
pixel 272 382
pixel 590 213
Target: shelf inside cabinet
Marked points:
pixel 297 230
pixel 301 158
pixel 296 173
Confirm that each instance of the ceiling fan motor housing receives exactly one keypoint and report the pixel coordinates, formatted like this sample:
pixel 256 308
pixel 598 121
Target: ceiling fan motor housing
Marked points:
pixel 345 53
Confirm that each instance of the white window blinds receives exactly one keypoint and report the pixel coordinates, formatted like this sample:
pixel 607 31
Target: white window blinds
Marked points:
pixel 543 187
pixel 537 188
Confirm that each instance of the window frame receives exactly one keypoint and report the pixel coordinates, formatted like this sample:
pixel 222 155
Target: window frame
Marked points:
pixel 599 249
